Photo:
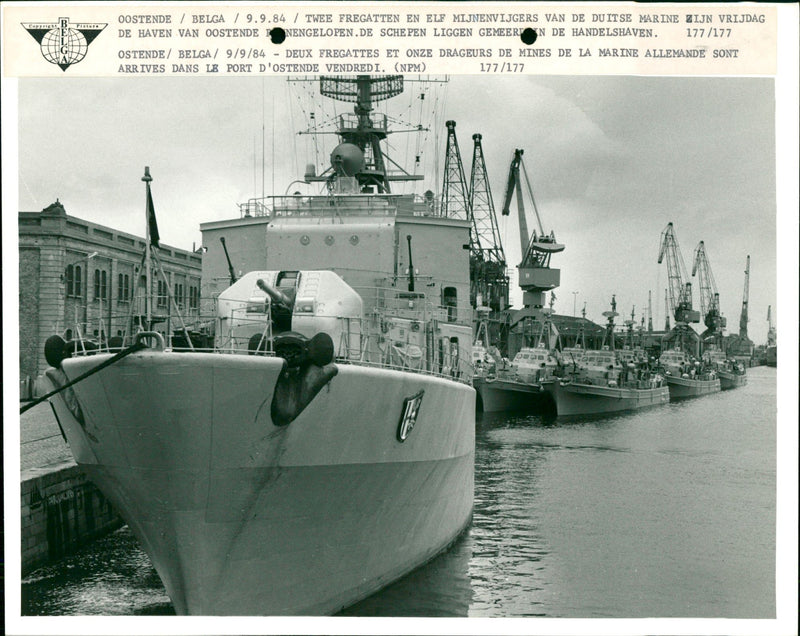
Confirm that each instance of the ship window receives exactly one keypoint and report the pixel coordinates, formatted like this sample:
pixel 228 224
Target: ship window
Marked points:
pixel 450 300
pixel 287 279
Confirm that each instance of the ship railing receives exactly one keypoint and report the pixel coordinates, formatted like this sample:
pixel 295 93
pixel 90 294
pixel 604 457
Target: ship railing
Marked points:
pixel 350 205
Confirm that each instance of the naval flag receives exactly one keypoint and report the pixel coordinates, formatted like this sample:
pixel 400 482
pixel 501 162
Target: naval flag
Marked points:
pixel 152 226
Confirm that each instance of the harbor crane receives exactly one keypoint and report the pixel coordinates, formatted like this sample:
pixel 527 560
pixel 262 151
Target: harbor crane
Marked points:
pixel 455 193
pixel 680 288
pixel 772 335
pixel 487 260
pixel 740 346
pixel 709 296
pixel 536 277
pixel 743 318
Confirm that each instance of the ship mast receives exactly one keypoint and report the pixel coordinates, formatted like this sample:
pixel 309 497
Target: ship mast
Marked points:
pixel 360 155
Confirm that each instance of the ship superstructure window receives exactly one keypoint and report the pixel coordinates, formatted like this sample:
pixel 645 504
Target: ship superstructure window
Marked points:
pixel 123 288
pixel 100 284
pixel 450 300
pixel 73 277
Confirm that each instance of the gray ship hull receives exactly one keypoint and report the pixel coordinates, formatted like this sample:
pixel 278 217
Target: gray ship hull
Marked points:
pixel 680 388
pixel 588 399
pixel 242 517
pixel 508 395
pixel 730 380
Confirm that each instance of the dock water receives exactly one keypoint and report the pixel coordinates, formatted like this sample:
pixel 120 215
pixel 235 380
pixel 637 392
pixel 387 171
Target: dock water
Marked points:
pixel 61 510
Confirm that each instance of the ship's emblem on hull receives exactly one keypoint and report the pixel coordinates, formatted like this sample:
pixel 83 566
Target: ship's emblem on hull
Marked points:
pixel 409 415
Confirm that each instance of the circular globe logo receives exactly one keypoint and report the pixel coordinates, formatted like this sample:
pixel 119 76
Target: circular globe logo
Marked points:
pixel 64 47
pixel 63 43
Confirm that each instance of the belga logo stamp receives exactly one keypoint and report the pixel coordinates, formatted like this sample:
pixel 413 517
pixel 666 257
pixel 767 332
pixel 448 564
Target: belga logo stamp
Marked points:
pixel 62 43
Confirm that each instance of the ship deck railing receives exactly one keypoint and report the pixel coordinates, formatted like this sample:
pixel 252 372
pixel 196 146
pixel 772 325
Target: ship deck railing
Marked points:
pixel 345 204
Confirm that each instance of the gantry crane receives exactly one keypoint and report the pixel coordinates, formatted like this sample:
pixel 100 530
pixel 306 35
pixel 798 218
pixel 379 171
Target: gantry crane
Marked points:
pixel 535 274
pixel 487 260
pixel 680 289
pixel 709 296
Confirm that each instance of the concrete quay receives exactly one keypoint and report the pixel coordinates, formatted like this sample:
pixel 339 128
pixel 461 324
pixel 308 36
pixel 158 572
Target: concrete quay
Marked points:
pixel 61 510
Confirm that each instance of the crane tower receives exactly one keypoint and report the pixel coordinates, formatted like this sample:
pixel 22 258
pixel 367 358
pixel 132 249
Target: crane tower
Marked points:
pixel 709 296
pixel 455 194
pixel 743 318
pixel 680 289
pixel 488 277
pixel 536 277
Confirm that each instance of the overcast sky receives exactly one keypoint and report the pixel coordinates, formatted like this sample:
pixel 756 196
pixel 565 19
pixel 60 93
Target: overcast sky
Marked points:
pixel 612 160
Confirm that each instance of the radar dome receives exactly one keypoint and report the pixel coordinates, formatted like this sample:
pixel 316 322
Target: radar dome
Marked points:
pixel 347 160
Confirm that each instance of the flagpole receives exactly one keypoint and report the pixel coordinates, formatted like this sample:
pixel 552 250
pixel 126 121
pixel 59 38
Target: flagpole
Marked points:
pixel 148 292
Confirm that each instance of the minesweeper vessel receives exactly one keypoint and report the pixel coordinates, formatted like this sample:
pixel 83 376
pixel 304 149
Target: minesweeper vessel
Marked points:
pixel 516 385
pixel 686 377
pixel 598 383
pixel 731 374
pixel 324 446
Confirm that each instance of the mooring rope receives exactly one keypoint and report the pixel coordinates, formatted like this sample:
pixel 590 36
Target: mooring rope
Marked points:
pixel 137 346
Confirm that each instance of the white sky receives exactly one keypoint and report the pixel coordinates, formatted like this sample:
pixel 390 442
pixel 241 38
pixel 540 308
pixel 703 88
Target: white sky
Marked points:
pixel 611 160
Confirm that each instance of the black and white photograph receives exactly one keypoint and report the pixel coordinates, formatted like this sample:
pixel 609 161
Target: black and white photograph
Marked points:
pixel 375 345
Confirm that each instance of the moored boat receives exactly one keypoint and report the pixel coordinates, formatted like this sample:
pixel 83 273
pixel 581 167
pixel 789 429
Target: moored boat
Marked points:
pixel 576 397
pixel 731 373
pixel 324 446
pixel 687 377
pixel 599 383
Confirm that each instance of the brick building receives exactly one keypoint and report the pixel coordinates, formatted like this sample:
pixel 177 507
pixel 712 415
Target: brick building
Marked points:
pixel 78 278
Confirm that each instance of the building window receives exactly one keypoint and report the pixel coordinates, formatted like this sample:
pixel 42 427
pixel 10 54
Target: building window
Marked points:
pixel 194 297
pixel 161 297
pixel 124 288
pixel 100 285
pixel 73 281
pixel 179 299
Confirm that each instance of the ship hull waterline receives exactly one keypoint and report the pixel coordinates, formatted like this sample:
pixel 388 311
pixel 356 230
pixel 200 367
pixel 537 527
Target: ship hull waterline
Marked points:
pixel 728 380
pixel 507 395
pixel 680 388
pixel 589 399
pixel 242 517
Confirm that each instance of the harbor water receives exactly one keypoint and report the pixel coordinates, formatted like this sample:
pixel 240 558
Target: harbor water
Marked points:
pixel 665 512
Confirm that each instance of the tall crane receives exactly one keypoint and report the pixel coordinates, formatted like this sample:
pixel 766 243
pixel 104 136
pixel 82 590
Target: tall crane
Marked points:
pixel 487 260
pixel 743 318
pixel 772 336
pixel 667 326
pixel 536 277
pixel 680 289
pixel 709 296
pixel 455 194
